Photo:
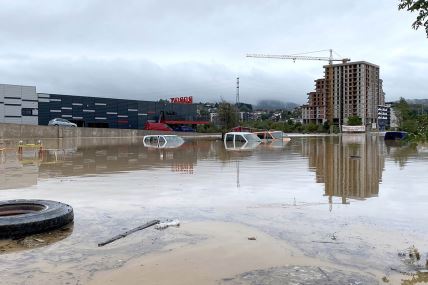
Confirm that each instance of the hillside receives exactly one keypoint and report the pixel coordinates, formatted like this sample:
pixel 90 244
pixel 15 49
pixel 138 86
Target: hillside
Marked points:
pixel 275 105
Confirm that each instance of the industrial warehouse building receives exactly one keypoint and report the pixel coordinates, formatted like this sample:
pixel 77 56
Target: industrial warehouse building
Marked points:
pixel 18 104
pixel 23 105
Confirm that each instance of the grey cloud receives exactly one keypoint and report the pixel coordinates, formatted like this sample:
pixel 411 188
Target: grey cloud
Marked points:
pixel 155 49
pixel 145 80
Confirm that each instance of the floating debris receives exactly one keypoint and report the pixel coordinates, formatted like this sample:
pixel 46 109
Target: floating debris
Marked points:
pixel 164 225
pixel 142 227
pixel 410 255
pixel 411 258
pixel 39 240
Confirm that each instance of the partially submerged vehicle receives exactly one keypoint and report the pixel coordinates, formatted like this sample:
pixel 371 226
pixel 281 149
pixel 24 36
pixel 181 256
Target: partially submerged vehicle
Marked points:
pixel 162 141
pixel 266 136
pixel 241 141
pixel 276 144
pixel 241 147
pixel 395 135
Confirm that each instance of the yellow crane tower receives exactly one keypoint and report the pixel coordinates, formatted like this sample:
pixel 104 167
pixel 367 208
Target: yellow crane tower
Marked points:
pixel 329 72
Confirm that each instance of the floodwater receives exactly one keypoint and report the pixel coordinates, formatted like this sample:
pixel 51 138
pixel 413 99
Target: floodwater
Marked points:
pixel 316 210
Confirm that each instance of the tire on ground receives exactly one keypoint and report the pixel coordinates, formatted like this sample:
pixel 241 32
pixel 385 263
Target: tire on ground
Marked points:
pixel 19 218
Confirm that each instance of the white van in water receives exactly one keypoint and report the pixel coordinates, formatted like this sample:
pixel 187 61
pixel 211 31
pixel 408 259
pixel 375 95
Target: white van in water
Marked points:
pixel 162 141
pixel 267 136
pixel 241 137
pixel 240 141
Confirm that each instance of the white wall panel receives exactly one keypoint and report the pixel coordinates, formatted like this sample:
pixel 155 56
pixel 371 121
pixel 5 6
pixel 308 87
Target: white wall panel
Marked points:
pixel 12 91
pixel 27 104
pixel 30 120
pixel 12 111
pixel 12 120
pixel 13 96
pixel 12 101
pixel 1 112
pixel 28 93
pixel 1 103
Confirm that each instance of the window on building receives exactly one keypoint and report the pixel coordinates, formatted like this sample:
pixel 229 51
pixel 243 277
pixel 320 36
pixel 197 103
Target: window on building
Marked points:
pixel 27 112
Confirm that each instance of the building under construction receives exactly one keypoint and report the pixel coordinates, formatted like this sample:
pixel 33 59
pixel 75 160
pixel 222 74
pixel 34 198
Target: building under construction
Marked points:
pixel 347 89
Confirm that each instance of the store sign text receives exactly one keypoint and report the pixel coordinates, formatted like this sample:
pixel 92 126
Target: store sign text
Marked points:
pixel 182 100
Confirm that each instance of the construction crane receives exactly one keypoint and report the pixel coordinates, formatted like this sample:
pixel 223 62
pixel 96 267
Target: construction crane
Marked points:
pixel 329 73
pixel 301 56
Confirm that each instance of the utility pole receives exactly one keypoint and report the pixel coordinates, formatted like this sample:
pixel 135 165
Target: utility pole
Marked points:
pixel 237 100
pixel 237 91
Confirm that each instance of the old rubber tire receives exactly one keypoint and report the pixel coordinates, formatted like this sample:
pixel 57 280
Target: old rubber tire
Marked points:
pixel 25 217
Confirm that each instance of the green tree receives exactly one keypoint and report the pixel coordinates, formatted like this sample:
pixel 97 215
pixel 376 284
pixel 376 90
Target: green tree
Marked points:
pixel 228 115
pixel 210 128
pixel 326 126
pixel 420 6
pixel 204 112
pixel 354 121
pixel 403 112
pixel 410 121
pixel 311 128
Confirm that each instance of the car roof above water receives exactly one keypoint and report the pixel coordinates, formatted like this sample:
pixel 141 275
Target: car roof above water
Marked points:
pixel 239 133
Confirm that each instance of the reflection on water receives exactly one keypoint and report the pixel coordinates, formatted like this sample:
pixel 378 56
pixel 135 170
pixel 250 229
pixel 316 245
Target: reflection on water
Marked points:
pixel 87 158
pixel 350 166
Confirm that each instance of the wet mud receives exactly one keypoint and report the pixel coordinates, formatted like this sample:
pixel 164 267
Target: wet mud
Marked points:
pixel 300 275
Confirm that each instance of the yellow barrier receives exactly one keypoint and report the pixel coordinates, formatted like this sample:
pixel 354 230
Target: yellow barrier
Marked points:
pixel 21 146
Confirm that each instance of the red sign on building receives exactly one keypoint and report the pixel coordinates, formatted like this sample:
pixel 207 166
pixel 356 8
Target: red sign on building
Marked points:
pixel 182 100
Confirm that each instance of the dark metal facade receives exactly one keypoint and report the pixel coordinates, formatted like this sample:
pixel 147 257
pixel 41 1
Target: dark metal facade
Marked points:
pixel 109 113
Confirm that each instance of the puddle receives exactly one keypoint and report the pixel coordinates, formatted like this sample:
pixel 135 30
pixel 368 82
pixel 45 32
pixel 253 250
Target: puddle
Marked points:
pixel 8 246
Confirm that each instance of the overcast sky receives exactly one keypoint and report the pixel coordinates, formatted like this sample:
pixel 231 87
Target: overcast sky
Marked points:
pixel 156 49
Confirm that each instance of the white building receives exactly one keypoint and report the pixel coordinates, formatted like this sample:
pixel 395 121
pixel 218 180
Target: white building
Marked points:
pixel 394 121
pixel 18 104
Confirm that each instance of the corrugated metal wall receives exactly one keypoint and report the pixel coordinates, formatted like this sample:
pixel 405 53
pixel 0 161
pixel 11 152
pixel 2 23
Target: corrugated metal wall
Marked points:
pixel 106 112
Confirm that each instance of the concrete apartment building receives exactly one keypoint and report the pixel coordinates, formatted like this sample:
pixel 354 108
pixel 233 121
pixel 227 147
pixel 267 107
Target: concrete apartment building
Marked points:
pixel 316 109
pixel 347 89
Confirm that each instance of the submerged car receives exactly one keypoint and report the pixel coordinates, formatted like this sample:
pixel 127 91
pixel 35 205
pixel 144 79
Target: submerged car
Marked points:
pixel 396 135
pixel 272 136
pixel 162 141
pixel 61 122
pixel 240 141
pixel 241 137
pixel 241 147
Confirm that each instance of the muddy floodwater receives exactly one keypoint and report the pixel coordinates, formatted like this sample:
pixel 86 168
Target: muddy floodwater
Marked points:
pixel 317 210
